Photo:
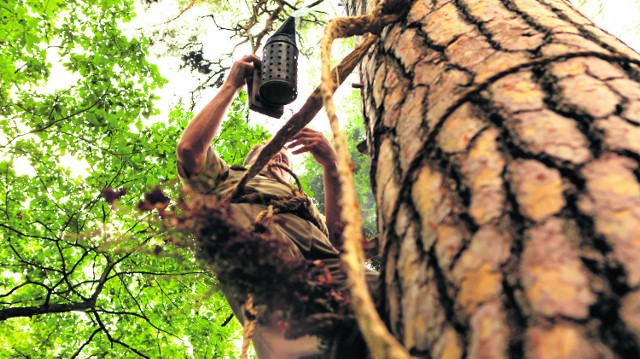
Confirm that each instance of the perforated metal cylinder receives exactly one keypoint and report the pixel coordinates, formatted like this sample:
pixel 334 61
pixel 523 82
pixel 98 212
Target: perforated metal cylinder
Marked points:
pixel 279 74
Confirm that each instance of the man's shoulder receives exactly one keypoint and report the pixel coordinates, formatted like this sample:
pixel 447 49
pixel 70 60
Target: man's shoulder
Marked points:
pixel 214 169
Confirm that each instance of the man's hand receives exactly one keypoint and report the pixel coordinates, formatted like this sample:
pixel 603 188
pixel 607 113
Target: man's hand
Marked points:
pixel 240 69
pixel 308 140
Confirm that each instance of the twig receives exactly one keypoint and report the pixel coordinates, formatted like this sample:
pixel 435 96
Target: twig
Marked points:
pixel 227 321
pixel 189 6
pixel 114 340
pixel 75 355
pixel 267 27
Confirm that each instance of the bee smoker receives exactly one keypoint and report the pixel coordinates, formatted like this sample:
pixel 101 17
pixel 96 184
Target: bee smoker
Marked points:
pixel 275 84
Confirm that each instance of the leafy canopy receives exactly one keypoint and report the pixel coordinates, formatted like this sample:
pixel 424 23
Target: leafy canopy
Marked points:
pixel 81 277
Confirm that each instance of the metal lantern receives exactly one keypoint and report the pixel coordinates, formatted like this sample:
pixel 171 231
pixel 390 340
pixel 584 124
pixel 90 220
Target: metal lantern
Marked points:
pixel 279 75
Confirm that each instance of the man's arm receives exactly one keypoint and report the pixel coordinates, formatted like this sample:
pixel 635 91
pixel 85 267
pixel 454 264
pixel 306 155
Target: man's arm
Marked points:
pixel 202 129
pixel 314 142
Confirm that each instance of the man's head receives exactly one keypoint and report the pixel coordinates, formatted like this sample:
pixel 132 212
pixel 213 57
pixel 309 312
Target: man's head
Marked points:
pixel 281 158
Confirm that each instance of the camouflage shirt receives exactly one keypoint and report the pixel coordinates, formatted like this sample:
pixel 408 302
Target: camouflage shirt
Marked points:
pixel 305 228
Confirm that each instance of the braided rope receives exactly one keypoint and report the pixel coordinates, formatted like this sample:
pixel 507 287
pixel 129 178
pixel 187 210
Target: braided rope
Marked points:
pixel 249 328
pixel 381 342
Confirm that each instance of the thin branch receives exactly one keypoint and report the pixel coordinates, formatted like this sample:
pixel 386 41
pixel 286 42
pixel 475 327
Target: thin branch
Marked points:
pixel 226 321
pixel 22 285
pixel 114 340
pixel 137 315
pixel 189 6
pixel 128 273
pixel 24 234
pixel 256 40
pixel 52 123
pixel 17 254
pixel 133 297
pixel 164 294
pixel 86 343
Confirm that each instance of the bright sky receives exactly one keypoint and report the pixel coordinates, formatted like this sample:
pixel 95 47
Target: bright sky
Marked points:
pixel 619 17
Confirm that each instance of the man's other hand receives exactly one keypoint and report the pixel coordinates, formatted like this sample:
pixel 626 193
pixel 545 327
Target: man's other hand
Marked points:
pixel 308 140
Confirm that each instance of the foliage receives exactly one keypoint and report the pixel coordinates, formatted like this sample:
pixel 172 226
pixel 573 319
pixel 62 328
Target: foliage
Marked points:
pixel 82 277
pixel 255 262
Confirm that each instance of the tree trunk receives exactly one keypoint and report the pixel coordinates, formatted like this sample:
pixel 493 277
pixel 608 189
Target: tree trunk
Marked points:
pixel 505 144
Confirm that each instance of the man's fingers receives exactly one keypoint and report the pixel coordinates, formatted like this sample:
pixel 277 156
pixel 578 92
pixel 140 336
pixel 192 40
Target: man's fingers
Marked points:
pixel 248 62
pixel 301 139
pixel 250 58
pixel 307 142
pixel 300 150
pixel 300 134
pixel 306 131
pixel 245 65
pixel 307 136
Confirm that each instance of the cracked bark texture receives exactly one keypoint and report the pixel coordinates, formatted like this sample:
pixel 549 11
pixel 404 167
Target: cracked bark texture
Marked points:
pixel 505 146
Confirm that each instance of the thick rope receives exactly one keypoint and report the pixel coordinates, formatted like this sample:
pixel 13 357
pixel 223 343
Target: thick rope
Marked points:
pixel 381 342
pixel 250 319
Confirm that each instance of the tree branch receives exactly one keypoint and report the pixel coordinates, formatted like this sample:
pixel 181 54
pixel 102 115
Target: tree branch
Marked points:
pixel 137 315
pixel 85 343
pixel 52 123
pixel 47 307
pixel 112 339
pixel 44 309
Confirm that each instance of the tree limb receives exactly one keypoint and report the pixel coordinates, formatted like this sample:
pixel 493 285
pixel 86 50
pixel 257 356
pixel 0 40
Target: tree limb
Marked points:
pixel 46 308
pixel 75 355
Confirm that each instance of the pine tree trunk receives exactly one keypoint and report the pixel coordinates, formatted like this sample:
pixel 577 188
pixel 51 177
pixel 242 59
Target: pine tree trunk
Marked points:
pixel 505 144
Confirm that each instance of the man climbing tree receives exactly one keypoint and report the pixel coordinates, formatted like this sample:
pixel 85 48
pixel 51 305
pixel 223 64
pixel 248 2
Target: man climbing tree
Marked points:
pixel 267 205
pixel 505 163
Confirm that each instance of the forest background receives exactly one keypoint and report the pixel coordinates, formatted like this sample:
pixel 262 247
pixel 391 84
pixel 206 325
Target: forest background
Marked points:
pixel 93 97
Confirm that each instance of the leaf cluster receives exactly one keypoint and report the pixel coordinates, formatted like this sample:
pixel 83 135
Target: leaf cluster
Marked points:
pixel 237 135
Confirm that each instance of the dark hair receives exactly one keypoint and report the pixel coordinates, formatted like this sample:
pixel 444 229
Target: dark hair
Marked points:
pixel 253 152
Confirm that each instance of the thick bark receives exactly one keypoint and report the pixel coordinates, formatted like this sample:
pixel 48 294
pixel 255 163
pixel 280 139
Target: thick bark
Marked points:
pixel 505 141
